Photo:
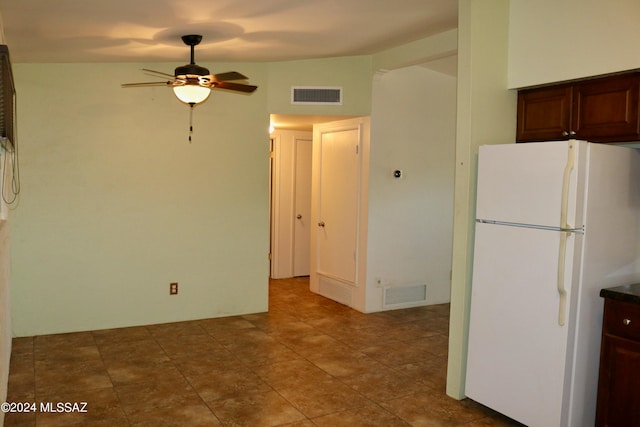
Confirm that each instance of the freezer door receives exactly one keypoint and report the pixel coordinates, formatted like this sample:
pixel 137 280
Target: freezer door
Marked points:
pixel 523 183
pixel 518 360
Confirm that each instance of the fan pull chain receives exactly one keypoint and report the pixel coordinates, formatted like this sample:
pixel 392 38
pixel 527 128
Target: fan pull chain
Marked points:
pixel 190 121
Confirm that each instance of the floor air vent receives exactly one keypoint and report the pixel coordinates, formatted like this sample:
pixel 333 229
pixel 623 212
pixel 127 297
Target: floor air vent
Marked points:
pixel 405 296
pixel 308 95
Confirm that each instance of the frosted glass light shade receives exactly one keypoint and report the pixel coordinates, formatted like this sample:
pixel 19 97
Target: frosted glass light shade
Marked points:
pixel 191 94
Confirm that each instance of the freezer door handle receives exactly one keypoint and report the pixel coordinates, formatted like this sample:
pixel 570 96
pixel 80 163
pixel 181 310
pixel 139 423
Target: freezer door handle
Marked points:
pixel 566 179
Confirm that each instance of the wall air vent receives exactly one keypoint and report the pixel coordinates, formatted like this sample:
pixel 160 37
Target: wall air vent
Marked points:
pixel 316 95
pixel 404 296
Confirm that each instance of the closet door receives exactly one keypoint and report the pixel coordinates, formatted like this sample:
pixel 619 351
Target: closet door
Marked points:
pixel 339 183
pixel 337 216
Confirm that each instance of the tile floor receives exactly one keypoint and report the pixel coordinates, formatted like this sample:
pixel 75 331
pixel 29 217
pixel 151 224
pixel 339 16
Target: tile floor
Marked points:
pixel 308 362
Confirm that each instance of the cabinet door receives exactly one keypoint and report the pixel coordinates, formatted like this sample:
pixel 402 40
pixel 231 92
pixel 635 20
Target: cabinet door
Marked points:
pixel 607 109
pixel 618 397
pixel 544 114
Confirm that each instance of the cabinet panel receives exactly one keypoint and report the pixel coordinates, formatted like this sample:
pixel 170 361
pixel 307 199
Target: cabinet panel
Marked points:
pixel 607 109
pixel 622 319
pixel 544 114
pixel 619 376
pixel 619 399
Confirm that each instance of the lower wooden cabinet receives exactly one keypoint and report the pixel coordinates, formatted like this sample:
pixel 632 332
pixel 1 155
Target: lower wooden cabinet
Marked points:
pixel 619 378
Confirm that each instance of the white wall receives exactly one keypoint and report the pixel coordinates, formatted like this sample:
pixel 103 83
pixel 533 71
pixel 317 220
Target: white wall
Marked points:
pixel 5 290
pixel 410 219
pixel 5 312
pixel 551 40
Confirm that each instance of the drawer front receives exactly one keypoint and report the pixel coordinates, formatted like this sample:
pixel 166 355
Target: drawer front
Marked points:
pixel 622 319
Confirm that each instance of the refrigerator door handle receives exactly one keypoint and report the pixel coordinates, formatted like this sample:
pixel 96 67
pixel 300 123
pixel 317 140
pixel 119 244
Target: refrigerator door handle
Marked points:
pixel 562 250
pixel 562 290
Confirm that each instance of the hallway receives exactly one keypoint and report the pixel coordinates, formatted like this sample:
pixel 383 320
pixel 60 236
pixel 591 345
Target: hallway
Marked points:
pixel 308 362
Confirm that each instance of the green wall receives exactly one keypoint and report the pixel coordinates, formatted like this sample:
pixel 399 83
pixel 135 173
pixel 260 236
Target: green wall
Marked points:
pixel 116 203
pixel 352 73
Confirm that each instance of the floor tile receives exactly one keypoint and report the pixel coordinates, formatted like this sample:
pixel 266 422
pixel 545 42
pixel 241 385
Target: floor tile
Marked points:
pixel 346 364
pixel 124 372
pixel 87 375
pixel 367 416
pixel 193 415
pixel 182 346
pixel 433 409
pixel 226 383
pixel 384 384
pixel 323 397
pixel 86 406
pixel 309 361
pixel 147 350
pixel 256 410
pixel 153 396
pixel 120 335
pixel 290 374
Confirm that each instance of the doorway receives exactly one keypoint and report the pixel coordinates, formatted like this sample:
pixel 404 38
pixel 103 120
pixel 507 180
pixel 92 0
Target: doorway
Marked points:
pixel 290 203
pixel 290 190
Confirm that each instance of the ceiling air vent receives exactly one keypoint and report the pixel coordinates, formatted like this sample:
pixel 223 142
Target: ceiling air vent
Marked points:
pixel 316 95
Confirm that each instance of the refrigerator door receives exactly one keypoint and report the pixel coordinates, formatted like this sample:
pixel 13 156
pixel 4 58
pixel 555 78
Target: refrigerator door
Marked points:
pixel 525 183
pixel 518 355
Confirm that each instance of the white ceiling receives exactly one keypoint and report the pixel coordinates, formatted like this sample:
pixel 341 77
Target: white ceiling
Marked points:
pixel 233 30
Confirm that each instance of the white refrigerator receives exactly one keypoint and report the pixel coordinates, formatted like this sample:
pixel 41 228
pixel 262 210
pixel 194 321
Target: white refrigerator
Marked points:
pixel 555 223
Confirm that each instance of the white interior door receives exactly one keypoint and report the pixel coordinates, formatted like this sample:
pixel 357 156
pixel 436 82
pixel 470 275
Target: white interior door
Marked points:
pixel 339 201
pixel 337 226
pixel 302 226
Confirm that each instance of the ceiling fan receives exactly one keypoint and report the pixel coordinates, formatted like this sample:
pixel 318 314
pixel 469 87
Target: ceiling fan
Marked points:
pixel 192 83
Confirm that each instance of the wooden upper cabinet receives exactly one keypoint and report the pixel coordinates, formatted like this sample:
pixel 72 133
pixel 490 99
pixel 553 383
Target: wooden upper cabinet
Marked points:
pixel 607 109
pixel 544 114
pixel 603 109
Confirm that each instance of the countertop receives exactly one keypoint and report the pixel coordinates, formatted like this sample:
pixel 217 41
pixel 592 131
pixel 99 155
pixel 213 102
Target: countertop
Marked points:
pixel 626 293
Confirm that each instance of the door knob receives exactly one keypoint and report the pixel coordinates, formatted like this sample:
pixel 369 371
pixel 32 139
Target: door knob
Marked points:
pixel 299 216
pixel 321 224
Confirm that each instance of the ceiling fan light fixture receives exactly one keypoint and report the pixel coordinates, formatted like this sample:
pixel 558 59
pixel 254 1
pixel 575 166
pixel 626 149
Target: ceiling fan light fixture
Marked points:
pixel 191 93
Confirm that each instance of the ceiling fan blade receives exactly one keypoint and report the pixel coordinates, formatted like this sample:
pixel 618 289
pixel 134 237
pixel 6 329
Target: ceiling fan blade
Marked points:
pixel 231 75
pixel 165 83
pixel 158 73
pixel 238 87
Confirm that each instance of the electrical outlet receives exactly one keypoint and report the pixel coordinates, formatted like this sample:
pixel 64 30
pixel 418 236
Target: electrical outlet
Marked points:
pixel 173 288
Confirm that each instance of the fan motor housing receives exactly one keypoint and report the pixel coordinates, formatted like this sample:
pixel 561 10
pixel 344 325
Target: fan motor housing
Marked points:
pixel 191 69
